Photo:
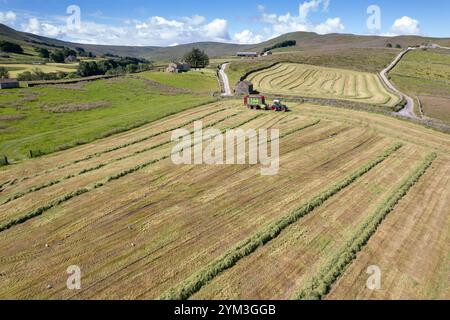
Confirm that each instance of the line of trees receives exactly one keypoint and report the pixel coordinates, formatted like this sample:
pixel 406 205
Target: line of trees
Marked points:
pixel 10 47
pixel 113 66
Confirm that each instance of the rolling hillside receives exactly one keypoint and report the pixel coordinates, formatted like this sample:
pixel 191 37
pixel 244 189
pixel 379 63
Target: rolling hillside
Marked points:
pixel 305 41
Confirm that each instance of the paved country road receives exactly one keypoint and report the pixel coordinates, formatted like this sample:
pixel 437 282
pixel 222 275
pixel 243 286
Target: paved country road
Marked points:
pixel 408 110
pixel 225 81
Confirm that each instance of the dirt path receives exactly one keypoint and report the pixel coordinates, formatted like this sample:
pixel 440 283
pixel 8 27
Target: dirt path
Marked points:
pixel 225 81
pixel 408 110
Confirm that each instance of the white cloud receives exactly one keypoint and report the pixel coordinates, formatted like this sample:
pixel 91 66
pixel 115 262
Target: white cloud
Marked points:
pixel 308 6
pixel 8 17
pixel 156 31
pixel 330 26
pixel 281 24
pixel 35 26
pixel 217 30
pixel 405 26
pixel 247 37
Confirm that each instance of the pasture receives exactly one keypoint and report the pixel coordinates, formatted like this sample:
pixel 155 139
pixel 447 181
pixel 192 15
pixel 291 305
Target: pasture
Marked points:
pixel 141 227
pixel 16 68
pixel 312 81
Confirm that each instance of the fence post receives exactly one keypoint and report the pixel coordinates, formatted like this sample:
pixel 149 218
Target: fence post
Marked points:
pixel 31 153
pixel 6 161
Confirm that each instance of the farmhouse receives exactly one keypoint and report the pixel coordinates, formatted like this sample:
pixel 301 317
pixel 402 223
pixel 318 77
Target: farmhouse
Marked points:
pixel 9 83
pixel 178 67
pixel 247 54
pixel 244 87
pixel 71 59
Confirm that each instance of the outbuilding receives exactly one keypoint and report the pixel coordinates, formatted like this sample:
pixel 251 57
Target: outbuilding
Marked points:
pixel 178 67
pixel 244 87
pixel 247 54
pixel 9 84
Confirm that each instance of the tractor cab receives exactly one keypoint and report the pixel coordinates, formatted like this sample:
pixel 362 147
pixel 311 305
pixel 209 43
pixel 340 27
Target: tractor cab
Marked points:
pixel 278 106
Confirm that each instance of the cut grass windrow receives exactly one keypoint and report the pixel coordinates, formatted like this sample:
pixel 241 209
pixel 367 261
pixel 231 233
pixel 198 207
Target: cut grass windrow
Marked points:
pixel 125 145
pixel 39 211
pixel 319 286
pixel 101 165
pixel 195 282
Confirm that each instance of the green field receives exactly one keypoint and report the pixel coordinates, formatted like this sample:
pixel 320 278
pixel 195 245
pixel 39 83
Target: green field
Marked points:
pixel 52 118
pixel 197 81
pixel 426 74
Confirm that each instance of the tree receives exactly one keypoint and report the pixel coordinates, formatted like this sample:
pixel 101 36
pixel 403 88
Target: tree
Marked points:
pixel 398 46
pixel 43 53
pixel 57 56
pixel 389 45
pixel 196 58
pixel 4 74
pixel 10 47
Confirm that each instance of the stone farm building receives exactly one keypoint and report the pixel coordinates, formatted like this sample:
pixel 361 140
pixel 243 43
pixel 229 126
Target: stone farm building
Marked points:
pixel 177 67
pixel 9 83
pixel 244 87
pixel 247 54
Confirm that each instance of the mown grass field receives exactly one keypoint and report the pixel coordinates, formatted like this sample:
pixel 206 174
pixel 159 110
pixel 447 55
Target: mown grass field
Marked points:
pixel 16 68
pixel 47 119
pixel 426 74
pixel 141 227
pixel 321 82
pixel 356 59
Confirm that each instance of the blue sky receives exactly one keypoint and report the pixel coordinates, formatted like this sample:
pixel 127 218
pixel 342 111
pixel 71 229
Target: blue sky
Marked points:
pixel 171 22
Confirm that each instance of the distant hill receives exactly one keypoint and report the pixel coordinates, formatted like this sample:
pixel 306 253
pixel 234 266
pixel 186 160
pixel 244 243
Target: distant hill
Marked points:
pixel 305 41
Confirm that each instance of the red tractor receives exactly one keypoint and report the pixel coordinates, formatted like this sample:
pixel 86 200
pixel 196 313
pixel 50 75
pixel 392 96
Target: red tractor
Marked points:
pixel 259 103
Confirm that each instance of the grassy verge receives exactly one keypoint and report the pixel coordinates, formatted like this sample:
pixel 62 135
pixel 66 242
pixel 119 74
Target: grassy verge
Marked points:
pixel 320 285
pixel 195 282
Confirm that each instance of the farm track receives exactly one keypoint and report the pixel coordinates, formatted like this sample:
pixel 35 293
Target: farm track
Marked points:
pixel 312 81
pixel 151 227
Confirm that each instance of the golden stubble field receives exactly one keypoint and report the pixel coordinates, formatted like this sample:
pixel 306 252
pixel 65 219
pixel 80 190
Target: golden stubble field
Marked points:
pixel 314 81
pixel 141 227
